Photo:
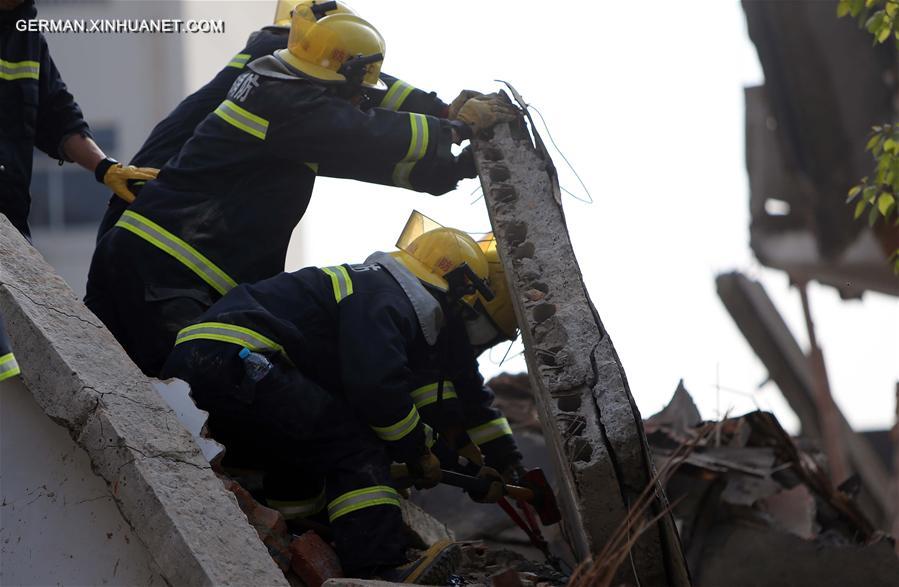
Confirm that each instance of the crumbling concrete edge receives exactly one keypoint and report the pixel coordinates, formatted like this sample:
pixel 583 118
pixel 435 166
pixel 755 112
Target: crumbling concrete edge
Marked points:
pixel 84 381
pixel 589 417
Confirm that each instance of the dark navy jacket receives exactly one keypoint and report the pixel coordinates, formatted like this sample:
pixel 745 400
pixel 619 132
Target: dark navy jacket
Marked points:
pixel 36 110
pixel 227 204
pixel 353 330
pixel 174 130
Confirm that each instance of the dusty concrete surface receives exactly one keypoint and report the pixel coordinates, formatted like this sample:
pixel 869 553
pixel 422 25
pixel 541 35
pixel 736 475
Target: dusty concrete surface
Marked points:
pixel 590 420
pixel 60 525
pixel 83 380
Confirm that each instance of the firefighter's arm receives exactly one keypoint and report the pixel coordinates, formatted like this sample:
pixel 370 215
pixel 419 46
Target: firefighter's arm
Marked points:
pixel 373 336
pixel 403 97
pixel 486 426
pixel 377 146
pixel 59 116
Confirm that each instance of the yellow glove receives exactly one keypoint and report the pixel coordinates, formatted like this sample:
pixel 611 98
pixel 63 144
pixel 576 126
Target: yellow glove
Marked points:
pixel 426 471
pixel 495 490
pixel 484 112
pixel 463 97
pixel 116 176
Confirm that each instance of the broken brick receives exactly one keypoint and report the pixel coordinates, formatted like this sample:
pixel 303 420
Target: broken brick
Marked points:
pixel 268 523
pixel 313 560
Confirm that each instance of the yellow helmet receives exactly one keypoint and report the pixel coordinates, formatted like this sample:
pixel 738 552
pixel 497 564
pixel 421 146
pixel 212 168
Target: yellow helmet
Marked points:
pixel 499 309
pixel 337 49
pixel 310 10
pixel 445 258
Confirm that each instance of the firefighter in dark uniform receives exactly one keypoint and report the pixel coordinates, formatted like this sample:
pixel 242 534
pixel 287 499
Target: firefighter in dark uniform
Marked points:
pixel 174 130
pixel 36 110
pixel 348 345
pixel 223 210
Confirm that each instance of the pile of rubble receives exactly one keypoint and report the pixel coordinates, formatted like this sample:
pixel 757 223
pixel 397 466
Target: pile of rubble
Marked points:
pixel 302 551
pixel 753 508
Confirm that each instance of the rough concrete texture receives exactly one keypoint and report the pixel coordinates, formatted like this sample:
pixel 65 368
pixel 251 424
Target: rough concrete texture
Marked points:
pixel 83 380
pixel 60 525
pixel 423 528
pixel 589 417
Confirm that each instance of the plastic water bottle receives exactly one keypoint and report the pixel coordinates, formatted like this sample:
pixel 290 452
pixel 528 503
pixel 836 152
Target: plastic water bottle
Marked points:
pixel 255 365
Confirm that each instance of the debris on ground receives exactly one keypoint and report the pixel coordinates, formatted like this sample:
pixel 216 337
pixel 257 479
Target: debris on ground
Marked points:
pixel 747 492
pixel 497 567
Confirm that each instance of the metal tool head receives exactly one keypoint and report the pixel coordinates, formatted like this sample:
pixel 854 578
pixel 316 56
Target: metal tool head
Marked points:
pixel 544 498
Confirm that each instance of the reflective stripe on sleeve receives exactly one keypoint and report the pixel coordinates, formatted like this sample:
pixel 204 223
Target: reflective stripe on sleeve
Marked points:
pixel 239 60
pixel 362 498
pixel 223 332
pixel 428 394
pixel 418 146
pixel 242 119
pixel 295 509
pixel 174 246
pixel 396 95
pixel 9 367
pixel 399 430
pixel 490 431
pixel 13 70
pixel 340 281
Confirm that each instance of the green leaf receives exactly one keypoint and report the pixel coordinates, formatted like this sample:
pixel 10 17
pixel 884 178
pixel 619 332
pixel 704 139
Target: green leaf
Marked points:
pixel 892 8
pixel 890 145
pixel 859 209
pixel 884 202
pixel 874 23
pixel 869 193
pixel 843 8
pixel 873 215
pixel 884 34
pixel 856 190
pixel 872 141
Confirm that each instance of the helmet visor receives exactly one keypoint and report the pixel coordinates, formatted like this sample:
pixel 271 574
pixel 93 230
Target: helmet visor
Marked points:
pixel 417 225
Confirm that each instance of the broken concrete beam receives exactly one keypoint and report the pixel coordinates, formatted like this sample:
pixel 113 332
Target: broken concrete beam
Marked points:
pixel 84 381
pixel 588 414
pixel 771 340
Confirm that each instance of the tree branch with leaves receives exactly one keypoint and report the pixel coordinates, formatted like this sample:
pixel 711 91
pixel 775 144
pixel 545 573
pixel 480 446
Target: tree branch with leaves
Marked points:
pixel 878 194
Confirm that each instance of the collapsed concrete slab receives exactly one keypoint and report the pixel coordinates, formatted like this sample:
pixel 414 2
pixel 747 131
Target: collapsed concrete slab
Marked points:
pixel 770 338
pixel 588 414
pixel 83 380
pixel 748 492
